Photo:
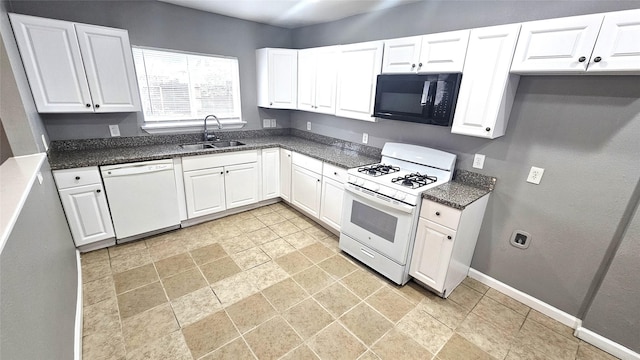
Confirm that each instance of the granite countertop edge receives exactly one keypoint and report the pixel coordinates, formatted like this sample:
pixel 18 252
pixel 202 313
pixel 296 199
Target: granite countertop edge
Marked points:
pixel 334 155
pixel 465 188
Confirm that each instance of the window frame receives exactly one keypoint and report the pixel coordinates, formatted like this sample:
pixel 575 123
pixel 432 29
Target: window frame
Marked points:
pixel 194 124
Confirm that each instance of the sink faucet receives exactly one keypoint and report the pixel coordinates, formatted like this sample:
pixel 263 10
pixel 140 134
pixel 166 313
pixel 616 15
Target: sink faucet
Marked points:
pixel 206 135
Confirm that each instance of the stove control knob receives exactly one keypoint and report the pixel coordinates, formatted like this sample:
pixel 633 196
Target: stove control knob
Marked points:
pixel 391 192
pixel 352 179
pixel 374 187
pixel 400 195
pixel 360 182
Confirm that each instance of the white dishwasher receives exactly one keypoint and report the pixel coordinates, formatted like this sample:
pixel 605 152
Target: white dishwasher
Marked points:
pixel 142 198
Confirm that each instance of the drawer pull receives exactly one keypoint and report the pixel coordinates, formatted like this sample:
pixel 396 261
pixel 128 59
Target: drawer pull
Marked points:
pixel 77 177
pixel 367 253
pixel 437 213
pixel 449 237
pixel 98 191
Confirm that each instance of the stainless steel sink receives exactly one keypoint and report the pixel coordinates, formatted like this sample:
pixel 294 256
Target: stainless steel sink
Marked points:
pixel 197 146
pixel 211 145
pixel 226 143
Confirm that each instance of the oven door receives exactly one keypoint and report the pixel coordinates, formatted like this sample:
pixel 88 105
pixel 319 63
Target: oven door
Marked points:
pixel 375 221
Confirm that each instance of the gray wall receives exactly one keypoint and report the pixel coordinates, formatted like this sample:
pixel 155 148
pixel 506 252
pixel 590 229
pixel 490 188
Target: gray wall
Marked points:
pixel 162 25
pixel 569 126
pixel 21 122
pixel 38 280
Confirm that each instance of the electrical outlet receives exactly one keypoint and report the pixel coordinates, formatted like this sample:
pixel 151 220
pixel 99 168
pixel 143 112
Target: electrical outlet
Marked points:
pixel 365 138
pixel 266 123
pixel 520 239
pixel 535 175
pixel 273 122
pixel 478 161
pixel 115 130
pixel 309 125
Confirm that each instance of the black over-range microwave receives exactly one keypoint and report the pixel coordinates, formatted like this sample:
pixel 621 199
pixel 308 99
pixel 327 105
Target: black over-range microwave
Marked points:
pixel 420 98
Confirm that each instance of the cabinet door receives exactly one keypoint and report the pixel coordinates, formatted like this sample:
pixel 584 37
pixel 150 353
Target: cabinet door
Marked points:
pixel 325 80
pixel 108 62
pixel 52 61
pixel 306 187
pixel 401 55
pixel 432 254
pixel 241 184
pixel 204 191
pixel 283 78
pixel 331 202
pixel 618 45
pixel 487 89
pixel 285 174
pixel 443 52
pixel 359 65
pixel 558 45
pixel 306 79
pixel 87 213
pixel 270 173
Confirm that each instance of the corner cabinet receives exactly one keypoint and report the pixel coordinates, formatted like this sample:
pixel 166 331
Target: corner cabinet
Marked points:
pixel 601 43
pixel 277 72
pixel 85 205
pixel 76 68
pixel 358 68
pixel 445 242
pixel 270 164
pixel 487 89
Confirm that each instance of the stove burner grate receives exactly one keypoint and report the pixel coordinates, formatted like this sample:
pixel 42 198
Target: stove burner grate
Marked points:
pixel 414 180
pixel 378 169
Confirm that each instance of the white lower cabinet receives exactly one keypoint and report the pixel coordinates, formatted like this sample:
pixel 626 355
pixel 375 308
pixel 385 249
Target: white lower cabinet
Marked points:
pixel 331 202
pixel 85 205
pixel 204 191
pixel 270 164
pixel 217 182
pixel 285 174
pixel 306 187
pixel 444 245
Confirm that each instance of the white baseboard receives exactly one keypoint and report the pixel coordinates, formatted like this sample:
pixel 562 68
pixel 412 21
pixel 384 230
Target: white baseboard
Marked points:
pixel 552 312
pixel 573 322
pixel 607 345
pixel 77 354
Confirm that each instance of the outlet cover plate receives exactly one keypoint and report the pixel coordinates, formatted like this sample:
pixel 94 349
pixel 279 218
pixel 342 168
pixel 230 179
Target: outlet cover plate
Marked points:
pixel 308 125
pixel 520 239
pixel 365 138
pixel 266 123
pixel 535 175
pixel 478 161
pixel 273 123
pixel 115 130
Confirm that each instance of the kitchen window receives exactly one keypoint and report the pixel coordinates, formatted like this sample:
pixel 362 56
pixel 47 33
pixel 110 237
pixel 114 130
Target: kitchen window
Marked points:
pixel 179 89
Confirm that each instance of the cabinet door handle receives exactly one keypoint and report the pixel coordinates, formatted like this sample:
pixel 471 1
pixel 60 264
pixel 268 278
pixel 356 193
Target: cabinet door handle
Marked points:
pixel 449 237
pixel 97 106
pixel 420 65
pixel 335 173
pixel 77 177
pixel 488 129
pixel 413 66
pixel 98 191
pixel 318 180
pixel 227 171
pixel 582 59
pixel 437 213
pixel 88 105
pixel 221 173
pixel 270 104
pixel 597 59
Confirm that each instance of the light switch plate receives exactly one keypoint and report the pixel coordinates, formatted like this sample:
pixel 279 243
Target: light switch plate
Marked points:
pixel 478 161
pixel 535 175
pixel 273 123
pixel 115 130
pixel 266 123
pixel 309 125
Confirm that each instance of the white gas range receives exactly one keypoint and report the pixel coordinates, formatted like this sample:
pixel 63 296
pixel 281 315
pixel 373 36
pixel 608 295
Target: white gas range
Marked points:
pixel 382 206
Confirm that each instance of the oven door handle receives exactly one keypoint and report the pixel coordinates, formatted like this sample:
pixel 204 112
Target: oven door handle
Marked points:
pixel 406 208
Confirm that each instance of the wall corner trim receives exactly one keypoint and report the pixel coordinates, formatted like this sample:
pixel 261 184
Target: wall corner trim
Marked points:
pixel 79 306
pixel 573 322
pixel 605 344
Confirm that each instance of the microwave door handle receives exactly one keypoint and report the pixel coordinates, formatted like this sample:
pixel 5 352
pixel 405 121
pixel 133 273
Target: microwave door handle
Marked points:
pixel 425 93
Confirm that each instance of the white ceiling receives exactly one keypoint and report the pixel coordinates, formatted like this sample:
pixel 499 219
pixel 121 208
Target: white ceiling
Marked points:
pixel 289 13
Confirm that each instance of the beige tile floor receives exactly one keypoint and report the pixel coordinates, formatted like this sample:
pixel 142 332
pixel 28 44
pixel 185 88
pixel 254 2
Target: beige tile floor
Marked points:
pixel 270 283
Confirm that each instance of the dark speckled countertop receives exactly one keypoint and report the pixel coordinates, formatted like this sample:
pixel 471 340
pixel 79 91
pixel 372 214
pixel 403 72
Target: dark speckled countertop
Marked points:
pixel 69 154
pixel 465 188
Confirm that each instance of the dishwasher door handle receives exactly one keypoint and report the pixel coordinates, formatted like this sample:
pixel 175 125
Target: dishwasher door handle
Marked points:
pixel 138 169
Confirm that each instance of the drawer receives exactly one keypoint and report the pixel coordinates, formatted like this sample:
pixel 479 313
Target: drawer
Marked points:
pixel 200 162
pixel 307 162
pixel 334 172
pixel 440 214
pixel 77 177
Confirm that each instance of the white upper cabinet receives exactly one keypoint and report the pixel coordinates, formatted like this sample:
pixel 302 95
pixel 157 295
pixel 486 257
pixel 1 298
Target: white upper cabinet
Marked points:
pixel 317 79
pixel 108 62
pixel 600 43
pixel 618 45
pixel 556 45
pixel 277 71
pixel 433 53
pixel 358 68
pixel 75 67
pixel 487 89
